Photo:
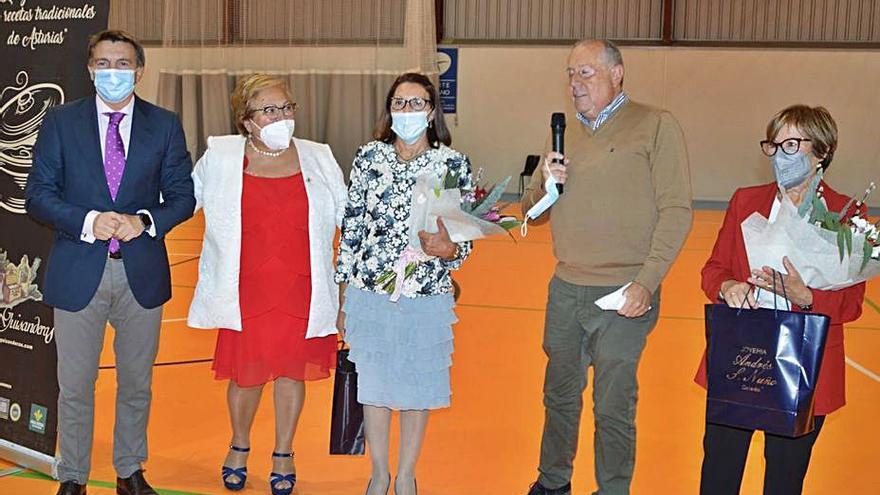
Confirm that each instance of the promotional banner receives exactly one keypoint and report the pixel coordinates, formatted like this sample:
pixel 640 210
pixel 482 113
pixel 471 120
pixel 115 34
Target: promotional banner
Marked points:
pixel 43 46
pixel 447 61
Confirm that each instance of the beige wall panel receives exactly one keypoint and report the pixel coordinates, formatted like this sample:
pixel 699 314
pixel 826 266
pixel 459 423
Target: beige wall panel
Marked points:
pixel 722 97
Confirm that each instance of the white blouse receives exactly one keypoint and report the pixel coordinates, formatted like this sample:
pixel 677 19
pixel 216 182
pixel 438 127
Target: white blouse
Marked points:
pixel 218 185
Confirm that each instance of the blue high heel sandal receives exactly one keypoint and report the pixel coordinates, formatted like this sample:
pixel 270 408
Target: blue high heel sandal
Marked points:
pixel 276 479
pixel 241 473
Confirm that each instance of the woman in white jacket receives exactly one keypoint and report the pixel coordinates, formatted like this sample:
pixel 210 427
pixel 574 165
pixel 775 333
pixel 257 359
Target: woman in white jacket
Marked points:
pixel 271 205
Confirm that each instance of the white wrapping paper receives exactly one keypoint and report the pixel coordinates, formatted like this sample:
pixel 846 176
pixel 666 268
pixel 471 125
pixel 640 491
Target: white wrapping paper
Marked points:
pixel 812 250
pixel 427 206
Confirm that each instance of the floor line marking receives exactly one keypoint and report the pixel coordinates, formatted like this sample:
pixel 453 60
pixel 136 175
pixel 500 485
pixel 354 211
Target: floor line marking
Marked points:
pixel 184 261
pixel 164 363
pixel 865 371
pixel 872 304
pixel 11 471
pixel 492 306
pixel 98 483
pixel 662 316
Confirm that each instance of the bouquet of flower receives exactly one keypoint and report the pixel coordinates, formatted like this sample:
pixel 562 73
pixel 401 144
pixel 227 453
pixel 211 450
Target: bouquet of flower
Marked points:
pixel 467 215
pixel 846 225
pixel 483 204
pixel 821 245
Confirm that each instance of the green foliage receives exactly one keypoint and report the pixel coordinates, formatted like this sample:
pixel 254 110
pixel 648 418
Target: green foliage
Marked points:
pixel 838 223
pixel 484 205
pixel 388 279
pixel 509 224
pixel 410 270
pixel 867 249
pixel 450 180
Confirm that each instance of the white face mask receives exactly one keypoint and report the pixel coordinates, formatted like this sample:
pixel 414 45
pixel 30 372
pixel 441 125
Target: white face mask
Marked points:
pixel 542 205
pixel 277 135
pixel 409 126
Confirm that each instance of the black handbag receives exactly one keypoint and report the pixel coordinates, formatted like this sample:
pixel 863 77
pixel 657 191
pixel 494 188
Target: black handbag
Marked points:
pixel 347 420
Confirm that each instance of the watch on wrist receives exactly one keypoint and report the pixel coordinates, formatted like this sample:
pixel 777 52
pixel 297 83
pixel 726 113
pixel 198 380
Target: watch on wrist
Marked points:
pixel 146 220
pixel 807 307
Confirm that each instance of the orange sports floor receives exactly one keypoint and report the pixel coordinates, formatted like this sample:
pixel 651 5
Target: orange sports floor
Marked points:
pixel 487 442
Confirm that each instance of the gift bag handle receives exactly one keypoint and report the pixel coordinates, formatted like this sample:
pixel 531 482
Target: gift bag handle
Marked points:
pixel 784 293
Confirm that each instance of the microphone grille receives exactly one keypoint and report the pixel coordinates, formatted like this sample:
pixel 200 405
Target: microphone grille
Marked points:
pixel 557 120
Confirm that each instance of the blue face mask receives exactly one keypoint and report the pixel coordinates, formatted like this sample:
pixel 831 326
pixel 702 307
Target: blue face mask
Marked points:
pixel 791 170
pixel 409 126
pixel 114 85
pixel 542 205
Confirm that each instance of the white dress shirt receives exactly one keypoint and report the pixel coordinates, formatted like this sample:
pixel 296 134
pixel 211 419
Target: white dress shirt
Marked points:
pixel 88 233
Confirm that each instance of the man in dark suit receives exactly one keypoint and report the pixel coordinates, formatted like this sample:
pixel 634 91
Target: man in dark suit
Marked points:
pixel 111 176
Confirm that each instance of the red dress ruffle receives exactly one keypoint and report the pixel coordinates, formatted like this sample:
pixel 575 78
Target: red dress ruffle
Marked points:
pixel 274 290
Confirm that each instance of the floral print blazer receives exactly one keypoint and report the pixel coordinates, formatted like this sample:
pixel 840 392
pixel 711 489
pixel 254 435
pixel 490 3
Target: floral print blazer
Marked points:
pixel 375 223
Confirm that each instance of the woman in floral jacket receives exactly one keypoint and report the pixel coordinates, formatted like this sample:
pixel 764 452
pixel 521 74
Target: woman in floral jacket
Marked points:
pixel 402 349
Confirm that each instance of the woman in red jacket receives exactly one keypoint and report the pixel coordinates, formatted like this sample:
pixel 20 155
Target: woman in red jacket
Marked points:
pixel 799 140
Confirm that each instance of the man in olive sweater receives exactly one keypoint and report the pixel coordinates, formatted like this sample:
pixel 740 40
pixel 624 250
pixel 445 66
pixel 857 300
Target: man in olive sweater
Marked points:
pixel 623 217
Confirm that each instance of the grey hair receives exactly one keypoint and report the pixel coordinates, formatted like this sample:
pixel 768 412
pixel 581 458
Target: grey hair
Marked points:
pixel 610 49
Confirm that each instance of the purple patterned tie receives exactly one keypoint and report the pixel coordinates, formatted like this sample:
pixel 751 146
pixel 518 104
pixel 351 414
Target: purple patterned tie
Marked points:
pixel 114 161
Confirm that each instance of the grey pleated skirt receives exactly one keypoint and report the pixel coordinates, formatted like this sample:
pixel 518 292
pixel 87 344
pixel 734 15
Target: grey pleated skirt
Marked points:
pixel 402 350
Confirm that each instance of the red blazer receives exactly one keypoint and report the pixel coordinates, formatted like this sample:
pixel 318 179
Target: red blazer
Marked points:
pixel 729 261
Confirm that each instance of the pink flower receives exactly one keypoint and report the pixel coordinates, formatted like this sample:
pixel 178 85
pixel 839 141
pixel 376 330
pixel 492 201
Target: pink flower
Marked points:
pixel 492 216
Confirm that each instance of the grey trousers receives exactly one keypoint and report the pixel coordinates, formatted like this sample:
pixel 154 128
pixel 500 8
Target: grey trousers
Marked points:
pixel 577 335
pixel 79 339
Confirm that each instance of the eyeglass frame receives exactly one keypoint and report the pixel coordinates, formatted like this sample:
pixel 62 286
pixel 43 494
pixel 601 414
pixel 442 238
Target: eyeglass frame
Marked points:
pixel 779 146
pixel 584 71
pixel 409 101
pixel 293 108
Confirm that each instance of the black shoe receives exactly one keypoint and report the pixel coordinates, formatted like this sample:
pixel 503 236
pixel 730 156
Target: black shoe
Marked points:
pixel 539 489
pixel 134 485
pixel 71 488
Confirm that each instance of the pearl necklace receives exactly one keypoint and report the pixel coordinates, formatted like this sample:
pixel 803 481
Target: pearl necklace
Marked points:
pixel 270 154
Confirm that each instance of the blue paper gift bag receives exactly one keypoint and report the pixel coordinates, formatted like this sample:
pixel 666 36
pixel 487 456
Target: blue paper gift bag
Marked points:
pixel 763 365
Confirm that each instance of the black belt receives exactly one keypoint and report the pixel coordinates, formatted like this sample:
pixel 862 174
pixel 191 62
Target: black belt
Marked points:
pixel 115 255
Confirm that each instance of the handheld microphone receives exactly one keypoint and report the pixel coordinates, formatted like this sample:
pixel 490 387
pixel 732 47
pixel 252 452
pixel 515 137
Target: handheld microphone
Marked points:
pixel 557 127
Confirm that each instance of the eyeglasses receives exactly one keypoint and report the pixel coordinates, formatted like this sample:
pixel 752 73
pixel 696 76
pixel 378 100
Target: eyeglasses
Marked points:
pixel 416 103
pixel 273 111
pixel 790 146
pixel 584 71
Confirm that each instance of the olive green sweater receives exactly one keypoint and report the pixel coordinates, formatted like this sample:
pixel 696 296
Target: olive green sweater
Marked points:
pixel 626 210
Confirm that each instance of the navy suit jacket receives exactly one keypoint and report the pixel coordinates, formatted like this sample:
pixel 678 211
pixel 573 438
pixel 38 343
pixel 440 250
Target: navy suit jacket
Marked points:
pixel 67 181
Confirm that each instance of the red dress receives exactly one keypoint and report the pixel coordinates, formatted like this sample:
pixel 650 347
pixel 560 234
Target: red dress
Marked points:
pixel 274 290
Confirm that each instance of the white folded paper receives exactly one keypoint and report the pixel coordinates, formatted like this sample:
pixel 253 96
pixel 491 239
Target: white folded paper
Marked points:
pixel 615 300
